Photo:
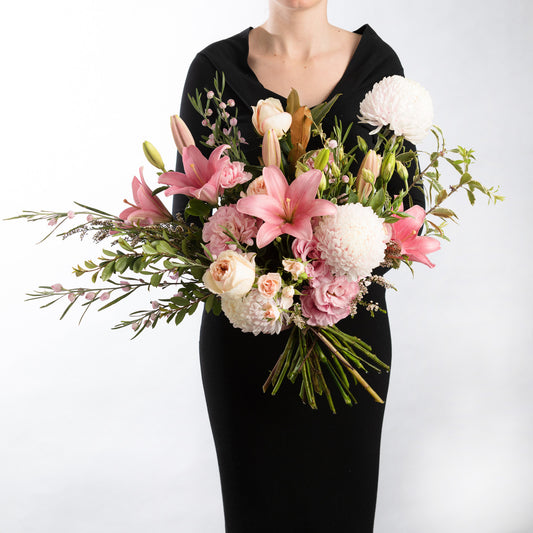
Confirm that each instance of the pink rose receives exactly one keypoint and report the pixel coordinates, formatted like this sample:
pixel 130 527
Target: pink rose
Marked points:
pixel 271 311
pixel 233 174
pixel 328 301
pixel 269 284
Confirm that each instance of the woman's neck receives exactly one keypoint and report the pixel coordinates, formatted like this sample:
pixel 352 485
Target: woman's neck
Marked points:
pixel 295 33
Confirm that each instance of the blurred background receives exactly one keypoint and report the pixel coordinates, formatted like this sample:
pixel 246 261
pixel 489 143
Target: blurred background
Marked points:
pixel 100 433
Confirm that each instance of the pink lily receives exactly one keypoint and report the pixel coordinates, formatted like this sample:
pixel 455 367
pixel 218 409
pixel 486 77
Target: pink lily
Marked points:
pixel 286 208
pixel 148 209
pixel 404 232
pixel 201 178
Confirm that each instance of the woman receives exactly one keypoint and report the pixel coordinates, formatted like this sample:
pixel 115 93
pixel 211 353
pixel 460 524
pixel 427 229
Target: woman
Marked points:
pixel 283 466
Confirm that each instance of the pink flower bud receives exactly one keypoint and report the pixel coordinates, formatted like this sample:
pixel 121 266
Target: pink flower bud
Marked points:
pixel 71 297
pixel 210 94
pixel 155 304
pixel 181 133
pixel 90 296
pixel 271 149
pixel 233 121
pixel 70 214
pixel 104 296
pixel 209 112
pixel 231 102
pixel 52 222
pixel 222 105
pixel 372 164
pixel 90 218
pixel 57 287
pixel 125 286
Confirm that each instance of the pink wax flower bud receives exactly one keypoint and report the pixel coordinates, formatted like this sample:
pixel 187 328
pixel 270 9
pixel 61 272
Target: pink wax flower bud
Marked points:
pixel 271 149
pixel 104 296
pixel 52 222
pixel 57 287
pixel 70 214
pixel 181 133
pixel 371 163
pixel 71 297
pixel 90 295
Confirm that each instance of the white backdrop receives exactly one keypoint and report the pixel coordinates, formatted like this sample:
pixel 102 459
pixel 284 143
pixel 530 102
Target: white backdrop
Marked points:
pixel 100 433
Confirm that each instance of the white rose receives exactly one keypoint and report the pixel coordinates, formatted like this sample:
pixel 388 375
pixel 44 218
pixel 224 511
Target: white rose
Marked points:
pixel 269 114
pixel 231 273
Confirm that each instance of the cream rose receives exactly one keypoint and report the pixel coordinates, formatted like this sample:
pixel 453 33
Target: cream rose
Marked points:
pixel 257 186
pixel 231 273
pixel 268 114
pixel 287 295
pixel 295 268
pixel 269 284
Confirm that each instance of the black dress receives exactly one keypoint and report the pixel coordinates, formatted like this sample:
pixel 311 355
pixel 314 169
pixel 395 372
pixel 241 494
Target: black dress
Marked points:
pixel 285 468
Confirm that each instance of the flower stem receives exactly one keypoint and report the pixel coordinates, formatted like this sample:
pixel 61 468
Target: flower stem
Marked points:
pixel 348 366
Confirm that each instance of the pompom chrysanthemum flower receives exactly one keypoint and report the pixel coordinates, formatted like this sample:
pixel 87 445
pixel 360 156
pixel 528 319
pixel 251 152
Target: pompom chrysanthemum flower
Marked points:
pixel 351 242
pixel 402 104
pixel 251 313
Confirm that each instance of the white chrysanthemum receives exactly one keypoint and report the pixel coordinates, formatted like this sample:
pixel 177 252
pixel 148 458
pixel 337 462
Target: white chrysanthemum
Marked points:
pixel 402 104
pixel 352 242
pixel 249 313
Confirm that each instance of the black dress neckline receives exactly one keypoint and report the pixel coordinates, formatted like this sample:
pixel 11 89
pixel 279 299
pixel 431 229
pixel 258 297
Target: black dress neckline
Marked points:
pixel 364 31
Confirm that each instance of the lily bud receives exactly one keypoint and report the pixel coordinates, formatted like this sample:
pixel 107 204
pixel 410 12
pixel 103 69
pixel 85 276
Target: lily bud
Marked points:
pixel 293 102
pixel 368 171
pixel 321 160
pixel 335 170
pixel 300 168
pixel 323 183
pixel 153 156
pixel 402 171
pixel 271 149
pixel 181 133
pixel 387 168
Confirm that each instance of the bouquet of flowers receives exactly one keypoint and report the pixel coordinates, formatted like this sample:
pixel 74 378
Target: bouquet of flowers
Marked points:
pixel 287 242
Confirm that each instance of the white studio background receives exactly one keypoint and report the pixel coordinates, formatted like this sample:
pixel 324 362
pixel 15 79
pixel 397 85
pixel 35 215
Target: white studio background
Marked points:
pixel 100 433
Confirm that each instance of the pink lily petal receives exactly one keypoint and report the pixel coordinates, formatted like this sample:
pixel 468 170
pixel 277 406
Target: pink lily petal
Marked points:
pixel 261 206
pixel 300 228
pixel 267 233
pixel 275 183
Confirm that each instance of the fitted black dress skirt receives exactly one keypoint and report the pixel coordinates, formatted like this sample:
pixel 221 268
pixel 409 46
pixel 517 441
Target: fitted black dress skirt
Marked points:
pixel 285 468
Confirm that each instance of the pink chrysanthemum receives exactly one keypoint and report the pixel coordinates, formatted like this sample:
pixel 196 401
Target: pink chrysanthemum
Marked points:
pixel 352 242
pixel 402 104
pixel 227 218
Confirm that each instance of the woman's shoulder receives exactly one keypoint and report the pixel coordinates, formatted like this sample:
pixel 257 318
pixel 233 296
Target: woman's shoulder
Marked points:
pixel 376 53
pixel 231 50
